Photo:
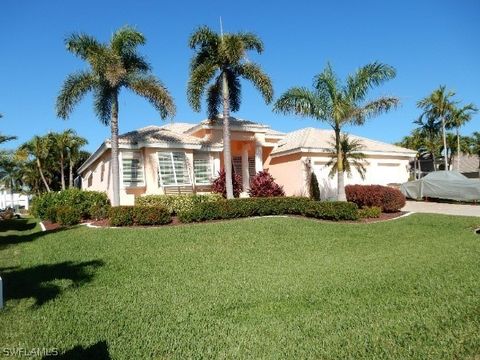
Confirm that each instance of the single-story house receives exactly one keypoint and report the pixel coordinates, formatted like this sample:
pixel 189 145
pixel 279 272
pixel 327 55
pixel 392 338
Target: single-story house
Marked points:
pixel 184 158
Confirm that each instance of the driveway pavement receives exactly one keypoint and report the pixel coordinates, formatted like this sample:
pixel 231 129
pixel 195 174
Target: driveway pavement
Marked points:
pixel 441 208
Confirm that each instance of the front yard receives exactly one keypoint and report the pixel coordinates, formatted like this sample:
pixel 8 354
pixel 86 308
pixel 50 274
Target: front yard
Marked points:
pixel 251 288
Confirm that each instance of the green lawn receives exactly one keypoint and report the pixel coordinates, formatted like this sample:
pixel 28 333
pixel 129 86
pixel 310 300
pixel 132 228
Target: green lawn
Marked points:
pixel 253 288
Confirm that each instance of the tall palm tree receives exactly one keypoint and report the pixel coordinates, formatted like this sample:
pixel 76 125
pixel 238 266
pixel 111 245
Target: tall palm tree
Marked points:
pixel 458 117
pixel 438 106
pixel 338 104
pixel 113 66
pixel 37 148
pixel 218 64
pixel 61 142
pixel 352 156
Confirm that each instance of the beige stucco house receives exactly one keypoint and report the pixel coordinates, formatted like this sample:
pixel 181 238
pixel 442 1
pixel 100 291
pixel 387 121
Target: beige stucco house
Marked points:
pixel 184 158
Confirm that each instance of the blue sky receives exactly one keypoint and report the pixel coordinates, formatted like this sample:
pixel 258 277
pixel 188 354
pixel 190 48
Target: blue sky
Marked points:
pixel 428 42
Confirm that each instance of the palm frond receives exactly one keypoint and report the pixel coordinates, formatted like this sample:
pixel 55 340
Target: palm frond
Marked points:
pixel 254 73
pixel 5 138
pixel 251 41
pixel 298 101
pixel 203 36
pixel 327 84
pixel 197 83
pixel 126 39
pixel 373 108
pixel 366 77
pixel 74 89
pixel 154 91
pixel 83 45
pixel 234 90
pixel 214 99
pixel 102 102
pixel 231 49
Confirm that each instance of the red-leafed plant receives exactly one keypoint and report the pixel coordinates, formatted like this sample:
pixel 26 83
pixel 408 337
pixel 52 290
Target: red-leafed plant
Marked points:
pixel 386 198
pixel 218 185
pixel 264 185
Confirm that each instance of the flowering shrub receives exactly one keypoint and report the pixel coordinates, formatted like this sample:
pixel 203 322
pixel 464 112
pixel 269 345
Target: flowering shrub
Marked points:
pixel 218 185
pixel 386 198
pixel 264 185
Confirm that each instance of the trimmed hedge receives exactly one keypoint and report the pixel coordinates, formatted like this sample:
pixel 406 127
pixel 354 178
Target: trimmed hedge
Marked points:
pixel 88 203
pixel 67 215
pixel 139 215
pixel 384 197
pixel 176 203
pixel 369 212
pixel 238 208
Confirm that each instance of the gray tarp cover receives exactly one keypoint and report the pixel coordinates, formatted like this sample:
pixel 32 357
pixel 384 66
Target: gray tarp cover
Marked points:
pixel 443 185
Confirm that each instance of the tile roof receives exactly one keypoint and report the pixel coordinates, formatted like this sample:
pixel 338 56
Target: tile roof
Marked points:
pixel 154 134
pixel 321 139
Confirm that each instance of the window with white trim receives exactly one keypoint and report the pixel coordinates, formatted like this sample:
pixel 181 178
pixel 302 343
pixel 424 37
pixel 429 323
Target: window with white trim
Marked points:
pixel 202 169
pixel 172 169
pixel 132 169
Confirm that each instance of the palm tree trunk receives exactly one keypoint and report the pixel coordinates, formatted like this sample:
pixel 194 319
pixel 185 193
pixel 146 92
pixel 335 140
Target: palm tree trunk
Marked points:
pixel 444 144
pixel 341 196
pixel 62 170
pixel 434 162
pixel 227 152
pixel 70 173
pixel 458 149
pixel 419 169
pixel 39 165
pixel 11 193
pixel 114 145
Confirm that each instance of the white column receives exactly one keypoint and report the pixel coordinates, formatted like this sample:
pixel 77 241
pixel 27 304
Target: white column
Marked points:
pixel 258 157
pixel 245 173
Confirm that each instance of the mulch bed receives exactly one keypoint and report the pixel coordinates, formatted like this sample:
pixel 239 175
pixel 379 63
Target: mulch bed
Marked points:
pixel 50 226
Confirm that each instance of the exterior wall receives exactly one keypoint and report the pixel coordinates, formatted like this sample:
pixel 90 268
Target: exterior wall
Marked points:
pixel 288 171
pixel 381 170
pixel 100 172
pixel 19 200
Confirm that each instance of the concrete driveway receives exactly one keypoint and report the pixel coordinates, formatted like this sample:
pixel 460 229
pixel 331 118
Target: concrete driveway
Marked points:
pixel 441 208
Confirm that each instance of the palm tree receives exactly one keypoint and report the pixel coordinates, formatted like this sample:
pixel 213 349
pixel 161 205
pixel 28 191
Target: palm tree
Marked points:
pixel 61 142
pixel 74 154
pixel 338 104
pixel 457 118
pixel 113 66
pixel 457 145
pixel 415 141
pixel 438 106
pixel 9 173
pixel 352 156
pixel 429 130
pixel 39 149
pixel 219 62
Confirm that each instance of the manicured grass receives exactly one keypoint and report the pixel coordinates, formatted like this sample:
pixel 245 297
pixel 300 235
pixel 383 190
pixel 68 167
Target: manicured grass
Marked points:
pixel 254 288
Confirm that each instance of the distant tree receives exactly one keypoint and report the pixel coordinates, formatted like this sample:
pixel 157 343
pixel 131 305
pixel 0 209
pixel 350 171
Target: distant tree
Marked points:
pixel 456 119
pixel 5 138
pixel 39 149
pixel 437 107
pixel 475 147
pixel 75 155
pixel 338 104
pixel 10 173
pixel 219 62
pixel 456 146
pixel 313 187
pixel 352 157
pixel 429 132
pixel 113 66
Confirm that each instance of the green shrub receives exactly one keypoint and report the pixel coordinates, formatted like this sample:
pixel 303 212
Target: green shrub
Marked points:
pixel 51 214
pixel 369 212
pixel 67 215
pixel 99 212
pixel 44 206
pixel 139 215
pixel 237 208
pixel 177 203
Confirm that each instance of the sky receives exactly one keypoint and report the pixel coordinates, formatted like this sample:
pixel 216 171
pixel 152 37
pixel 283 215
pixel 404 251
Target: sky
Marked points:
pixel 430 43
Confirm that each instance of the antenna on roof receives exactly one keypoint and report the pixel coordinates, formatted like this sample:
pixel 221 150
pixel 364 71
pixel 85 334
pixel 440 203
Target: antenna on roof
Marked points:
pixel 221 27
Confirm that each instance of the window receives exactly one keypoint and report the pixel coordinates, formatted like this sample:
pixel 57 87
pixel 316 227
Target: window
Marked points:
pixel 237 166
pixel 132 169
pixel 90 180
pixel 202 169
pixel 102 172
pixel 172 169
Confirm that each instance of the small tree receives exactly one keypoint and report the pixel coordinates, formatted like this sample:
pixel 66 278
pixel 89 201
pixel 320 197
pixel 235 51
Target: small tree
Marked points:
pixel 314 189
pixel 219 184
pixel 263 185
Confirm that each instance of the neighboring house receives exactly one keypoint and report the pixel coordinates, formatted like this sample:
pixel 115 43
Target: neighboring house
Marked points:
pixel 15 200
pixel 469 165
pixel 185 158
